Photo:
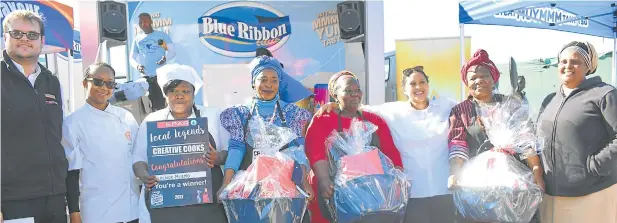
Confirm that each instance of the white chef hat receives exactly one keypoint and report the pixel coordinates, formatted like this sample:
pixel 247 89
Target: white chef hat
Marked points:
pixel 170 72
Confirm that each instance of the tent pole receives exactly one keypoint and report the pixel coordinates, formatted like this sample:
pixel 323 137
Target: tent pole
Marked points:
pixel 69 53
pixel 462 43
pixel 614 73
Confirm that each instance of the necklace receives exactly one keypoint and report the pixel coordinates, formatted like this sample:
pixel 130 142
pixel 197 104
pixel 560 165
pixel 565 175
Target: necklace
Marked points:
pixel 273 113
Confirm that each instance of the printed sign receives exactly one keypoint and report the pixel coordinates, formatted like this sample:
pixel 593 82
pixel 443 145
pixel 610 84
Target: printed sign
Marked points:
pixel 237 29
pixel 176 151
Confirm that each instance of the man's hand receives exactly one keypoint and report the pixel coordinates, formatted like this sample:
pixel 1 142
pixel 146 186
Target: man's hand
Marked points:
pixel 162 61
pixel 75 217
pixel 141 69
pixel 211 156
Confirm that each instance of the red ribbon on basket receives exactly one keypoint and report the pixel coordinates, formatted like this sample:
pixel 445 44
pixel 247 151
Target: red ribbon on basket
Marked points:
pixel 506 150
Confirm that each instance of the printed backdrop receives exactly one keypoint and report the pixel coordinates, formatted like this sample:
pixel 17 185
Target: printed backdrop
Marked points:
pixel 303 35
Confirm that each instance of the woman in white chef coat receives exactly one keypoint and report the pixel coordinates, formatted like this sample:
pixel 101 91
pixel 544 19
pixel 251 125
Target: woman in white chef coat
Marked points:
pixel 180 83
pixel 98 141
pixel 419 127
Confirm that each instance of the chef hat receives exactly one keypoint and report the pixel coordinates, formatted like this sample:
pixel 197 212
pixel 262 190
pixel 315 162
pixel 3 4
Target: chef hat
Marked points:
pixel 170 72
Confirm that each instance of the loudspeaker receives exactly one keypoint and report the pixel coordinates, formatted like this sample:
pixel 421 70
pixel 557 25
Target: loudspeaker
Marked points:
pixel 350 18
pixel 112 20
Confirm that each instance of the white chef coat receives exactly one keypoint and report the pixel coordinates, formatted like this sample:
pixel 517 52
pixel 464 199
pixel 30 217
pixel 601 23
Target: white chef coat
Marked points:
pixel 421 136
pixel 99 144
pixel 140 153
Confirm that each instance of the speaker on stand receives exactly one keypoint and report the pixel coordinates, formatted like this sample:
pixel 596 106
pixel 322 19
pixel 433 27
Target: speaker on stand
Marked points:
pixel 113 21
pixel 351 19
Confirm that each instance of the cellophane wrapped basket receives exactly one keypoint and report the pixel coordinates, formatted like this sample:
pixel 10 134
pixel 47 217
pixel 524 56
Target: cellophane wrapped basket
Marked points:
pixel 266 192
pixel 366 184
pixel 494 186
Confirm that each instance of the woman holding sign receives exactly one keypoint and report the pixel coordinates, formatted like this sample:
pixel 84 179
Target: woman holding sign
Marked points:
pixel 275 94
pixel 180 83
pixel 98 141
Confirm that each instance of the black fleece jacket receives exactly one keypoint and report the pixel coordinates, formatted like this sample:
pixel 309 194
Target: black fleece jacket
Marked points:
pixel 581 139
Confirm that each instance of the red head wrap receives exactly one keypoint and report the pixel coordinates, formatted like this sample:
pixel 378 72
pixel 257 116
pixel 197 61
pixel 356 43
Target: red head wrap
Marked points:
pixel 480 58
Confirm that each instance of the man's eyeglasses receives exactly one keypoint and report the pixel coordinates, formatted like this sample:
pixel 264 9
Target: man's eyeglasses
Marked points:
pixel 99 83
pixel 15 34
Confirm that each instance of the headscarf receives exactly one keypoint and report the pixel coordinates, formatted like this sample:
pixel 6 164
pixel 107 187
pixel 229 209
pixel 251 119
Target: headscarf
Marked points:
pixel 170 72
pixel 290 90
pixel 587 51
pixel 334 80
pixel 480 58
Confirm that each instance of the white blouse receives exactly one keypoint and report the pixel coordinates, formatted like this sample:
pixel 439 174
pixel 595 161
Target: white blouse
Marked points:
pixel 421 137
pixel 99 144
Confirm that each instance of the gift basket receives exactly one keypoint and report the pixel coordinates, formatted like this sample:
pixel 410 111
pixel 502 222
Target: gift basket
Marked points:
pixel 494 186
pixel 366 184
pixel 266 192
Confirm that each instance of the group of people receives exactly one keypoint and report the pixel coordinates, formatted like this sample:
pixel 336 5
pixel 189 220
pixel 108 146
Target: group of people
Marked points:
pixel 95 162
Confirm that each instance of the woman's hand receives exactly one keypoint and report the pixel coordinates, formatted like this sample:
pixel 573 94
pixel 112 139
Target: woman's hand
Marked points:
pixel 218 193
pixel 309 190
pixel 150 181
pixel 75 217
pixel 211 156
pixel 326 108
pixel 452 182
pixel 326 188
pixel 538 178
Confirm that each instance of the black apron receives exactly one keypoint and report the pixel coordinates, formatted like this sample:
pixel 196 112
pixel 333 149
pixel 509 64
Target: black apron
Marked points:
pixel 247 160
pixel 200 213
pixel 327 206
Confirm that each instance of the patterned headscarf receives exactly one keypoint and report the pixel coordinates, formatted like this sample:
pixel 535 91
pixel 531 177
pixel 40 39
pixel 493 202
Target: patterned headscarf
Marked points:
pixel 290 89
pixel 335 78
pixel 480 58
pixel 586 50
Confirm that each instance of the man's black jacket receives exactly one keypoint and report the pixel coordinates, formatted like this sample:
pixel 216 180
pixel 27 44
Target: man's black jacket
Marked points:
pixel 33 161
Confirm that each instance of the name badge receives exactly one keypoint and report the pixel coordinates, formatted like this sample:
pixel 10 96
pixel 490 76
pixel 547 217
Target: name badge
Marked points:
pixel 256 153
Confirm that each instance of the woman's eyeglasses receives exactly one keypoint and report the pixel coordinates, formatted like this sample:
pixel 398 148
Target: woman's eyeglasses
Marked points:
pixel 16 34
pixel 99 83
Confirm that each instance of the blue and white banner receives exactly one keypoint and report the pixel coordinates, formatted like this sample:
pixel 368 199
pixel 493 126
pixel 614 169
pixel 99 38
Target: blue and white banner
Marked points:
pixel 237 29
pixel 584 17
pixel 176 157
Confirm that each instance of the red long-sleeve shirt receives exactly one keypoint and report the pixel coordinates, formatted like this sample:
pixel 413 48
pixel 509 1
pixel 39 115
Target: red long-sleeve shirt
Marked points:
pixel 315 146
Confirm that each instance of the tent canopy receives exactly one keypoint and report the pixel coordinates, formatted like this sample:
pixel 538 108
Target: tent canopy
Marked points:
pixel 57 17
pixel 594 18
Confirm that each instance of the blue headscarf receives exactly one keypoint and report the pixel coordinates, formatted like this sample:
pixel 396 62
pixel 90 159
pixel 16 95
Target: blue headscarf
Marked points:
pixel 290 90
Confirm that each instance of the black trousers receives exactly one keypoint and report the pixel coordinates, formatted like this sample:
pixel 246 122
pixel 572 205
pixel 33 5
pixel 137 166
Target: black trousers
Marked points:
pixel 155 94
pixel 50 209
pixel 437 209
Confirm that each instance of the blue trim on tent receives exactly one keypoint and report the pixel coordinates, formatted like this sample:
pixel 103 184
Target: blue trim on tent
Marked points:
pixel 584 17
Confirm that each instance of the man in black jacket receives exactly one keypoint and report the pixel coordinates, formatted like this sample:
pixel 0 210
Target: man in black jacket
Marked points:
pixel 34 166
